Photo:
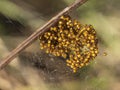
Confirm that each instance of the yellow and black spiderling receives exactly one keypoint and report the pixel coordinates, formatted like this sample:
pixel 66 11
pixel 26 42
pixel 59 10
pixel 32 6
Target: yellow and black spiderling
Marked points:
pixel 75 42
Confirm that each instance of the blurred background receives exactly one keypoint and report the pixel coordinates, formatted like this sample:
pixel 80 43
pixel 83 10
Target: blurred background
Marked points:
pixel 33 69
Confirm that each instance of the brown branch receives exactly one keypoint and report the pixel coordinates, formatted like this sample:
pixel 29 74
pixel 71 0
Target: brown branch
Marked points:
pixel 39 31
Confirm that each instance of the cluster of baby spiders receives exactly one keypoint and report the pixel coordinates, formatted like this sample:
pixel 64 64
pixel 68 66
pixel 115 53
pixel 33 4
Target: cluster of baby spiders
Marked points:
pixel 71 40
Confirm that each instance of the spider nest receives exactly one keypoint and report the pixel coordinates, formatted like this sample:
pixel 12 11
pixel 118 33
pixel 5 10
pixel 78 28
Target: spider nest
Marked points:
pixel 75 42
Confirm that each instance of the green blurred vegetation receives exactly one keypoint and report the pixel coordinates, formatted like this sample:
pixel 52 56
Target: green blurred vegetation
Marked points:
pixel 35 70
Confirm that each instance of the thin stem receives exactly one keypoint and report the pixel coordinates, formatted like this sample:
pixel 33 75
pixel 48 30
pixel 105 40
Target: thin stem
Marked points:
pixel 38 32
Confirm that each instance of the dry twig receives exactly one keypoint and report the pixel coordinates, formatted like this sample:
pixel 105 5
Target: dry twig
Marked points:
pixel 39 31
